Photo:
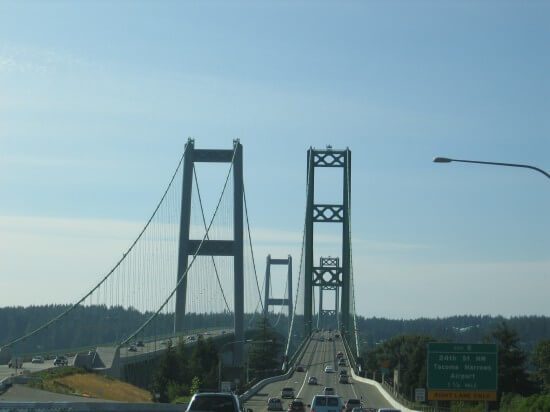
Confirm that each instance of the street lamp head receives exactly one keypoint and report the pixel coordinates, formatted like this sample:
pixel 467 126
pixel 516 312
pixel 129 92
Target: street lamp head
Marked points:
pixel 442 160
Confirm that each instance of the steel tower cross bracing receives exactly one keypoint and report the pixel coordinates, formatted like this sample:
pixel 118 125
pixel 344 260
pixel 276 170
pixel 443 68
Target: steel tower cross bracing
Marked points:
pixel 232 248
pixel 285 301
pixel 328 213
pixel 324 314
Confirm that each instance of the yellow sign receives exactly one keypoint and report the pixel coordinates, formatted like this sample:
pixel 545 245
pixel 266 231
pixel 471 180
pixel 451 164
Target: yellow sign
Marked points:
pixel 435 395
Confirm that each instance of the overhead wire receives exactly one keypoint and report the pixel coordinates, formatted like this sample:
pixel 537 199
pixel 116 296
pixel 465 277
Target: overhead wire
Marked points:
pixel 184 275
pixel 105 278
pixel 207 238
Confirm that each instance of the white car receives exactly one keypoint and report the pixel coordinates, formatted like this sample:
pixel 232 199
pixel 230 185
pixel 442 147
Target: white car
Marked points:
pixel 329 369
pixel 38 359
pixel 323 403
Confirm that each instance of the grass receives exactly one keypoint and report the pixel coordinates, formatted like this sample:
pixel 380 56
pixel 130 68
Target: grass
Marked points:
pixel 77 381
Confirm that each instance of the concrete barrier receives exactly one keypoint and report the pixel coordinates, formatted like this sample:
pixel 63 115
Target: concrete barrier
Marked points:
pixel 256 388
pixel 381 389
pixel 89 407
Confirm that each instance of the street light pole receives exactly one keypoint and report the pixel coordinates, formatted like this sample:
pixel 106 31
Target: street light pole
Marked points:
pixel 449 160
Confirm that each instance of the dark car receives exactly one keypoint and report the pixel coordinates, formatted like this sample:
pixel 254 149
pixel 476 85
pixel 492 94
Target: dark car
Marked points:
pixel 214 402
pixel 61 361
pixel 287 392
pixel 352 403
pixel 296 406
pixel 300 368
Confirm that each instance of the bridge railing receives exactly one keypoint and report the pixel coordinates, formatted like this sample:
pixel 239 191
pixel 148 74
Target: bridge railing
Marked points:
pixel 287 365
pixel 409 404
pixel 350 354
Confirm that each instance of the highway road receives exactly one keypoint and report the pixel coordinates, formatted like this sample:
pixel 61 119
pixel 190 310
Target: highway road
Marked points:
pixel 318 355
pixel 149 347
pixel 161 344
pixel 31 367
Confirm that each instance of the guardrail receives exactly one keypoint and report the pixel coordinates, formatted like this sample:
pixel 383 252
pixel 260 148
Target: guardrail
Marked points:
pixel 258 386
pixel 351 356
pixel 411 405
pixel 88 407
pixel 393 402
pixel 293 358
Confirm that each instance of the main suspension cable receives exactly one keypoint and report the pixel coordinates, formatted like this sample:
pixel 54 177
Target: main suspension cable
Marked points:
pixel 107 276
pixel 207 238
pixel 184 275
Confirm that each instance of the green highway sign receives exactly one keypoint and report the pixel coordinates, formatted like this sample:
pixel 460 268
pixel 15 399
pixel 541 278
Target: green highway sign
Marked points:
pixel 462 371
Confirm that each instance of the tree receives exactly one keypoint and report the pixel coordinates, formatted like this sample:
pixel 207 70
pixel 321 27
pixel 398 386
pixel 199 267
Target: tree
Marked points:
pixel 541 361
pixel 167 376
pixel 264 356
pixel 204 362
pixel 512 376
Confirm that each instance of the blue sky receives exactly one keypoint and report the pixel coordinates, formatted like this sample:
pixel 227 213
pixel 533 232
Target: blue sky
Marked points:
pixel 97 100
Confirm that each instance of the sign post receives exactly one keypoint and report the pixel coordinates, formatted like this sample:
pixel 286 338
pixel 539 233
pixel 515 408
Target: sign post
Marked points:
pixel 420 395
pixel 462 372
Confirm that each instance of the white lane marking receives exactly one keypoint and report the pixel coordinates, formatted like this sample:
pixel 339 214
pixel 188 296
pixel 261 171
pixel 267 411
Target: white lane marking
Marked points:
pixel 302 387
pixel 353 389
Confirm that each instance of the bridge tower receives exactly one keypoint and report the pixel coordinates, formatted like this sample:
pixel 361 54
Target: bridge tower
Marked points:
pixel 188 247
pixel 324 314
pixel 322 276
pixel 286 301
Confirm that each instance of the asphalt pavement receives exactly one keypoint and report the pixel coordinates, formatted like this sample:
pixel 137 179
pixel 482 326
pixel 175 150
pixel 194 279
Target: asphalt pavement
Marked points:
pixel 317 356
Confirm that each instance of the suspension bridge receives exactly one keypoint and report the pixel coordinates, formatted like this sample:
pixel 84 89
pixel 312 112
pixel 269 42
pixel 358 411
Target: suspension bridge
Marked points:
pixel 190 273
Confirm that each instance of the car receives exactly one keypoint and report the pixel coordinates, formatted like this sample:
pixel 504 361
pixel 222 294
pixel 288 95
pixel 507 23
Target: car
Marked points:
pixel 330 339
pixel 132 348
pixel 324 403
pixel 60 361
pixel 214 402
pixel 140 343
pixel 322 339
pixel 339 355
pixel 329 369
pixel 300 368
pixel 343 372
pixel 274 404
pixel 361 409
pixel 37 359
pixel 352 403
pixel 287 393
pixel 343 379
pixel 336 335
pixel 164 342
pixel 329 390
pixel 342 362
pixel 312 380
pixel 297 405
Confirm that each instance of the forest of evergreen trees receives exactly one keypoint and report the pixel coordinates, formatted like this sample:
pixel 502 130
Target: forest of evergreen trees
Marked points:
pixel 93 325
